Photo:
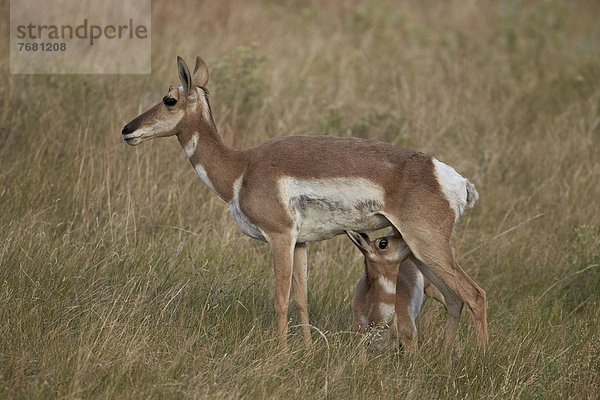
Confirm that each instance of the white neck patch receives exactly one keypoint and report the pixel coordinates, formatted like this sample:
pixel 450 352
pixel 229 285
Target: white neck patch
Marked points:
pixel 201 172
pixel 191 145
pixel 386 285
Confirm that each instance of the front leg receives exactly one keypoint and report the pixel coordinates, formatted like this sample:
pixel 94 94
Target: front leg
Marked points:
pixel 300 276
pixel 282 247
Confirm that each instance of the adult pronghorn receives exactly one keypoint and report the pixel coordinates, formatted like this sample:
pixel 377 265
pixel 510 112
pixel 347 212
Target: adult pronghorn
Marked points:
pixel 298 189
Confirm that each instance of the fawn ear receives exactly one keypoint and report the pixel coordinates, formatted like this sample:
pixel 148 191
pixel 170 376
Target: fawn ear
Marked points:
pixel 362 241
pixel 184 76
pixel 200 75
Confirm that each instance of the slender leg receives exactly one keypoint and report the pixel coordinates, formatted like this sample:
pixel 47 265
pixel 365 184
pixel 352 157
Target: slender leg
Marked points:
pixel 432 247
pixel 456 287
pixel 407 334
pixel 405 326
pixel 476 301
pixel 299 280
pixel 360 306
pixel 433 292
pixel 406 292
pixel 453 303
pixel 282 248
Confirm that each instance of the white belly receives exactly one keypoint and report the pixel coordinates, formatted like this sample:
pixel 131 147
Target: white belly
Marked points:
pixel 325 208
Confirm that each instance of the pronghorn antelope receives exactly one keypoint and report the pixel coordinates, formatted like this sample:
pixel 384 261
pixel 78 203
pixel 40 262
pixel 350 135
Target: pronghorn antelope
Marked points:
pixel 388 297
pixel 298 189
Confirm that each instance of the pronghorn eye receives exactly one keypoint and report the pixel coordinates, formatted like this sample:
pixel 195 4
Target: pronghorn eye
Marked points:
pixel 382 244
pixel 169 101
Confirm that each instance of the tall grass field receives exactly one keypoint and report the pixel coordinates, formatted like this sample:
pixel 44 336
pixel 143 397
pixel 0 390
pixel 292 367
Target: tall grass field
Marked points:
pixel 122 276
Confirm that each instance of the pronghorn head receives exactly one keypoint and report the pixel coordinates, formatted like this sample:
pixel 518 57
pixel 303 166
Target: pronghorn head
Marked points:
pixel 383 255
pixel 181 106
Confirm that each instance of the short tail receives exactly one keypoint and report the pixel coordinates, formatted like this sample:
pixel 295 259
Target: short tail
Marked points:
pixel 472 194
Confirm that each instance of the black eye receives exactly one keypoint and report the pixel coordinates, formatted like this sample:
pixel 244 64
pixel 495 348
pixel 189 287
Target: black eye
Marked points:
pixel 169 101
pixel 382 244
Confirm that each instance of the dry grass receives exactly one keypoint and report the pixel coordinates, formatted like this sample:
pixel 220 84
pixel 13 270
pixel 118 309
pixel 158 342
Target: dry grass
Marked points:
pixel 121 276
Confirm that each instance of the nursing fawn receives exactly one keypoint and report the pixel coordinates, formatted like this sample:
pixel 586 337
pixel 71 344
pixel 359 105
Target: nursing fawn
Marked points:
pixel 389 296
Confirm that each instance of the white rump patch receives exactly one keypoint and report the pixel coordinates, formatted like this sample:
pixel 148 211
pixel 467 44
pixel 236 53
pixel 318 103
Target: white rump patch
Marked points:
pixel 454 187
pixel 387 285
pixel 323 208
pixel 191 145
pixel 243 222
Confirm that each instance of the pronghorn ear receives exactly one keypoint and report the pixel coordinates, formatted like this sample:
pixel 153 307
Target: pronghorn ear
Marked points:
pixel 361 240
pixel 200 76
pixel 184 76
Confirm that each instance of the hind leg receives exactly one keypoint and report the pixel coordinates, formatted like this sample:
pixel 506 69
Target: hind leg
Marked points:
pixel 453 303
pixel 476 301
pixel 430 244
pixel 432 292
pixel 457 288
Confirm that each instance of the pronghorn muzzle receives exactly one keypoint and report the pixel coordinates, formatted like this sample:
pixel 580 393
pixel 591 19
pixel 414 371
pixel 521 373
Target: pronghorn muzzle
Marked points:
pixel 141 127
pixel 129 132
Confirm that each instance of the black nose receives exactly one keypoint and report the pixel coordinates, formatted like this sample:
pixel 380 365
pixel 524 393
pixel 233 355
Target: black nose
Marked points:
pixel 126 130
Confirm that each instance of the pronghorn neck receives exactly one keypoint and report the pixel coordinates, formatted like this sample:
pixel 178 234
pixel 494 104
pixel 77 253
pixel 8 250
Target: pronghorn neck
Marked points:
pixel 217 165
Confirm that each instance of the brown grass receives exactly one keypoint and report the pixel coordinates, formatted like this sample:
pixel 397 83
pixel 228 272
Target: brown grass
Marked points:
pixel 121 276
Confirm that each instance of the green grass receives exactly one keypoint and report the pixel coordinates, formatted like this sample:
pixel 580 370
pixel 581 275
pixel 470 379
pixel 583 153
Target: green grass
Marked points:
pixel 121 276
